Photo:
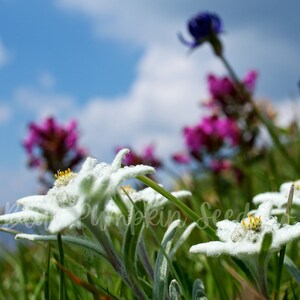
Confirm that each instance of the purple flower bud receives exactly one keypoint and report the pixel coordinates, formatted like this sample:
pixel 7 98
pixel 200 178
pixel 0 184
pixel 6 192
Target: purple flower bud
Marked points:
pixel 181 158
pixel 203 27
pixel 250 80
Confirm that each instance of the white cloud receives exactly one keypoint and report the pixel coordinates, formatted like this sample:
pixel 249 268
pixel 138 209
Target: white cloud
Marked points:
pixel 288 110
pixel 4 55
pixel 5 113
pixel 248 44
pixel 43 102
pixel 47 80
pixel 24 179
pixel 164 97
pixel 140 22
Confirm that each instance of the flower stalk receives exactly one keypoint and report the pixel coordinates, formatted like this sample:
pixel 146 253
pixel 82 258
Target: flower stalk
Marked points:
pixel 269 126
pixel 285 220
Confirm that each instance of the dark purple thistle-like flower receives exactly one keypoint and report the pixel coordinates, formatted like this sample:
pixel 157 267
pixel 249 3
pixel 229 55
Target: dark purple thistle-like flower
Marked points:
pixel 203 27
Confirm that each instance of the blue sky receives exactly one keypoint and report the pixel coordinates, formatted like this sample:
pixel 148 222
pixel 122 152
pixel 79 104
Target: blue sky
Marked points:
pixel 119 69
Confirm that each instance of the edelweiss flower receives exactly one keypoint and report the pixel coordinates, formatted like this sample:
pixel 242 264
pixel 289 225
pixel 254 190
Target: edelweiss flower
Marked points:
pixel 280 198
pixel 244 239
pixel 74 196
pixel 151 198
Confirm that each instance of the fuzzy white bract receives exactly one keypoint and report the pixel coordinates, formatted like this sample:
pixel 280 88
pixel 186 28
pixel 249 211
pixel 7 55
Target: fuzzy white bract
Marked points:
pixel 75 195
pixel 152 200
pixel 242 239
pixel 280 198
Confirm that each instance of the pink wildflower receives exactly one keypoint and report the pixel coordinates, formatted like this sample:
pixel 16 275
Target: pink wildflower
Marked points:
pixel 52 145
pixel 181 158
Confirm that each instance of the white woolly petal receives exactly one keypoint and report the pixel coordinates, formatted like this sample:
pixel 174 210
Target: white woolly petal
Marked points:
pixel 285 187
pixel 226 228
pixel 264 210
pixel 277 198
pixel 112 207
pixel 130 172
pixel 116 164
pixel 101 187
pixel 213 248
pixel 31 199
pixel 181 194
pixel 43 207
pixel 216 248
pixel 286 234
pixel 25 216
pixel 245 248
pixel 274 211
pixel 88 165
pixel 63 219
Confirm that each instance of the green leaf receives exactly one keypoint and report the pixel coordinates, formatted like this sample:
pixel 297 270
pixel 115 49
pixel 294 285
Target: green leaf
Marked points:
pixel 198 290
pixel 186 210
pixel 47 273
pixel 123 208
pixel 174 290
pixel 66 239
pixel 244 268
pixel 292 268
pixel 182 239
pixel 130 245
pixel 264 249
pixel 161 269
pixel 62 292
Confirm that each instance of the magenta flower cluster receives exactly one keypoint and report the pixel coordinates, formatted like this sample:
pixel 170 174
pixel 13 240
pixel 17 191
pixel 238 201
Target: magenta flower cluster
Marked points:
pixel 53 146
pixel 224 92
pixel 211 133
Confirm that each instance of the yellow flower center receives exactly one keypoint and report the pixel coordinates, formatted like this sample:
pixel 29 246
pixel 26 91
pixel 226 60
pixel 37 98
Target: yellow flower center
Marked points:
pixel 64 177
pixel 252 222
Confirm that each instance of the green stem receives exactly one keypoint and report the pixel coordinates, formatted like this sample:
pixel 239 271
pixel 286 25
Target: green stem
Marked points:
pixel 62 291
pixel 258 271
pixel 47 274
pixel 145 258
pixel 190 213
pixel 279 273
pixel 285 220
pixel 106 243
pixel 66 239
pixel 269 126
pixel 230 70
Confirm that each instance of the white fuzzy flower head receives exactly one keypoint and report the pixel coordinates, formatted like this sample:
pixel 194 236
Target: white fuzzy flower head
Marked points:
pixel 74 195
pixel 244 238
pixel 280 198
pixel 152 200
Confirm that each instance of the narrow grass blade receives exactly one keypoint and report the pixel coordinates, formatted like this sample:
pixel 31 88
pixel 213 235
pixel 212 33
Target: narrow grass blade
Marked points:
pixel 84 284
pixel 292 269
